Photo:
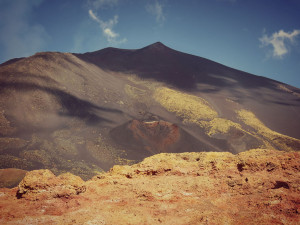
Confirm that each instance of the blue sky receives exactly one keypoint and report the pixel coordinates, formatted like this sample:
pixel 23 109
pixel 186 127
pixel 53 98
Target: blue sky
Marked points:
pixel 257 36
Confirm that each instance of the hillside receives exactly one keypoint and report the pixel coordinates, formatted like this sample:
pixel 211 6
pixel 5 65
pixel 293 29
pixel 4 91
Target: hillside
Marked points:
pixel 84 113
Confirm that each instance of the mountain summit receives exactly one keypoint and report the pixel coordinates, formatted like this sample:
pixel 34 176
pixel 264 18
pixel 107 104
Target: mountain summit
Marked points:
pixel 157 46
pixel 86 112
pixel 177 68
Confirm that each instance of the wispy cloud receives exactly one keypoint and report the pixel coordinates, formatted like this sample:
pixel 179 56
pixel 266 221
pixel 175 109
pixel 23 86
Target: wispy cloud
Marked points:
pixel 107 28
pixel 156 9
pixel 19 37
pixel 280 41
pixel 97 4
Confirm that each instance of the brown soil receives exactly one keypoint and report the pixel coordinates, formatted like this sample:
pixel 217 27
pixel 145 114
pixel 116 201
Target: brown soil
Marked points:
pixel 11 177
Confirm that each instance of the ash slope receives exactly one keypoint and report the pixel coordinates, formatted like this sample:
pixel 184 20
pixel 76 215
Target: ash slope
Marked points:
pixel 84 113
pixel 207 78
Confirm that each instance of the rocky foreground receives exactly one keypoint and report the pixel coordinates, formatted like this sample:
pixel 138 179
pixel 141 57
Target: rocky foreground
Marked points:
pixel 253 187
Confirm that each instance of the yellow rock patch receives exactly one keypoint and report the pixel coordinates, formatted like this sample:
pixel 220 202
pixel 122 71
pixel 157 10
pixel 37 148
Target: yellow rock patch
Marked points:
pixel 220 125
pixel 285 142
pixel 189 107
pixel 193 109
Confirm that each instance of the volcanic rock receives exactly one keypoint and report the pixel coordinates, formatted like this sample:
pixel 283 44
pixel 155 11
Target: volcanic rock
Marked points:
pixel 155 136
pixel 43 184
pixel 253 187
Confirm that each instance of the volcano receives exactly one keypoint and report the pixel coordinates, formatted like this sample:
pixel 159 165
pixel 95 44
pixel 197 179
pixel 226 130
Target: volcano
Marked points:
pixel 84 113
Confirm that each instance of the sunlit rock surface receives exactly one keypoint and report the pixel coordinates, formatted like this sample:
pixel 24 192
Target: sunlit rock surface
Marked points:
pixel 43 184
pixel 254 187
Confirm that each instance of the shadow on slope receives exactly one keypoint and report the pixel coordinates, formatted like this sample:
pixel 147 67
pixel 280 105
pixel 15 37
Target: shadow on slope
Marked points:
pixel 182 70
pixel 72 106
pixel 264 96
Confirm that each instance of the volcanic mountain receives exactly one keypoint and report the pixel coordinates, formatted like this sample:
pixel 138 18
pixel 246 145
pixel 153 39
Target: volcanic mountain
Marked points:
pixel 83 113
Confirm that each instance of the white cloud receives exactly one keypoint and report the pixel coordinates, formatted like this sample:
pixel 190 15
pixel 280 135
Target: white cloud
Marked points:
pixel 97 4
pixel 156 9
pixel 19 37
pixel 109 33
pixel 107 28
pixel 281 42
pixel 93 16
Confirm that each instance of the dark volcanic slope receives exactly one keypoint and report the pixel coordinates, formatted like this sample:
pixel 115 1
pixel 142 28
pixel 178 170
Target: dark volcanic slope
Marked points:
pixel 154 137
pixel 173 67
pixel 277 104
pixel 86 112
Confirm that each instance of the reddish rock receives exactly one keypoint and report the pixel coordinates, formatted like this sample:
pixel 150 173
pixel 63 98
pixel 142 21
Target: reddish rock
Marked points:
pixel 160 135
pixel 43 184
pixel 253 187
pixel 145 138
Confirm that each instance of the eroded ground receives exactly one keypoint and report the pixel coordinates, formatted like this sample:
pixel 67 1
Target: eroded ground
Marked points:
pixel 253 187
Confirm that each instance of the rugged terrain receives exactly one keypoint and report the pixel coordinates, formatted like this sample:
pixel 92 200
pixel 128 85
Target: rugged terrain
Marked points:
pixel 84 113
pixel 253 187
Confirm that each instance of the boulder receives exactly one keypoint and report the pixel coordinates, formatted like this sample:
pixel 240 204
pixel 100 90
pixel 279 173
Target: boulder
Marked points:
pixel 43 184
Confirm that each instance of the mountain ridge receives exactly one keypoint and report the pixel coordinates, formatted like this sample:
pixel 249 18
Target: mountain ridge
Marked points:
pixel 129 60
pixel 158 46
pixel 84 113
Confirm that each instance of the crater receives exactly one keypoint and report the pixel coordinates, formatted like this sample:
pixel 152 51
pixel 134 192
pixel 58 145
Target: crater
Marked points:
pixel 143 138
